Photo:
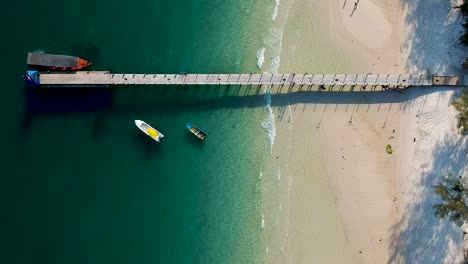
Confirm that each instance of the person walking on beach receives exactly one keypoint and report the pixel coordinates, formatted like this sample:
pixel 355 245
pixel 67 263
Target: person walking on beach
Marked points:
pixel 354 9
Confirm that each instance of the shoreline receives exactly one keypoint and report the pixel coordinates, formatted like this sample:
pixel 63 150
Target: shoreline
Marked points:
pixel 342 198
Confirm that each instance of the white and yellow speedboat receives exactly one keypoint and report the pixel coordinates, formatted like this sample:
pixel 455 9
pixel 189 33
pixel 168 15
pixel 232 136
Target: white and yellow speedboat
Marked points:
pixel 149 130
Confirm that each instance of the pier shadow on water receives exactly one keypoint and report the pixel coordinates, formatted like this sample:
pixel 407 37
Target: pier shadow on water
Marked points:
pixel 59 100
pixel 179 99
pixel 65 101
pixel 102 103
pixel 207 98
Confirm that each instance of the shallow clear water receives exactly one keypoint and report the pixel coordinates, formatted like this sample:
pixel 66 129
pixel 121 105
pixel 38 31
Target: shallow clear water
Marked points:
pixel 81 184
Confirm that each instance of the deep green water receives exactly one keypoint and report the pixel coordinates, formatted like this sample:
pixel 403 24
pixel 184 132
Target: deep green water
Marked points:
pixel 80 183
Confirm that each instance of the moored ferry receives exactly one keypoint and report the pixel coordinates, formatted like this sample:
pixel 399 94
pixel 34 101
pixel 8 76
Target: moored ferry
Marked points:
pixel 57 62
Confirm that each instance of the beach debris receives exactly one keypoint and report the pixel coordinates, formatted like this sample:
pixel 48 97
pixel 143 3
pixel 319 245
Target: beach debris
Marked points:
pixel 389 149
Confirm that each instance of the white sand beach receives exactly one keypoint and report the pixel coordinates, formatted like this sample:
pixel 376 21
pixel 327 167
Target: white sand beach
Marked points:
pixel 342 197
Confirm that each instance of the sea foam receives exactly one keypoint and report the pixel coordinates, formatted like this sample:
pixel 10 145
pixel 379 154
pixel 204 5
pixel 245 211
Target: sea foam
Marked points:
pixel 260 58
pixel 276 41
pixel 275 10
pixel 263 221
pixel 269 123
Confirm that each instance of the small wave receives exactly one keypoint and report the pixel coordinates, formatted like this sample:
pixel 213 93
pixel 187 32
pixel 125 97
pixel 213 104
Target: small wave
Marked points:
pixel 269 123
pixel 274 43
pixel 275 10
pixel 250 6
pixel 276 39
pixel 275 63
pixel 260 58
pixel 263 221
pixel 269 126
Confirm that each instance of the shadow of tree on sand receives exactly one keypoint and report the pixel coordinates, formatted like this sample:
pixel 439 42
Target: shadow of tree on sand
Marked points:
pixel 433 44
pixel 421 237
pixel 433 47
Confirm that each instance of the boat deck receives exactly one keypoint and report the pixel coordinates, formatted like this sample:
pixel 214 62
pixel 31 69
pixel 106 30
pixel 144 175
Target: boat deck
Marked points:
pixel 42 59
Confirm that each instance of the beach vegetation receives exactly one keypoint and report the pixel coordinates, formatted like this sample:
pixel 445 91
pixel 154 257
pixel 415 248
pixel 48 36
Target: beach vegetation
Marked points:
pixel 464 35
pixel 389 149
pixel 461 104
pixel 453 200
pixel 464 38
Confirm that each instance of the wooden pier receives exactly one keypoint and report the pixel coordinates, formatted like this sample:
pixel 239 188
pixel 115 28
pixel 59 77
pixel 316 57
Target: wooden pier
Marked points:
pixel 105 78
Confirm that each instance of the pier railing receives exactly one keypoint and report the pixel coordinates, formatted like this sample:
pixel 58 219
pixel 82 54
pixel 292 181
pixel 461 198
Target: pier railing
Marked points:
pixel 105 78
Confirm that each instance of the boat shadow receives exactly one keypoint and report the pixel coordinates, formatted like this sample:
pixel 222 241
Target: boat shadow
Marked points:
pixel 147 146
pixel 194 141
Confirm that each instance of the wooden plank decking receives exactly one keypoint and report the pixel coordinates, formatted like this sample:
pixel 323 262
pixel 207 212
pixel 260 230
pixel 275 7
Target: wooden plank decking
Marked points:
pixel 107 78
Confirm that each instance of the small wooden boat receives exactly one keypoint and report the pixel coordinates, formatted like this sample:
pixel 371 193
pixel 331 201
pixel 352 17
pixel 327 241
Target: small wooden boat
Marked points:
pixel 149 130
pixel 196 131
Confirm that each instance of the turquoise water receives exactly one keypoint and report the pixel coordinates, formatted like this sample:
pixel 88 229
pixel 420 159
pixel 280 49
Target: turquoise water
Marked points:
pixel 81 184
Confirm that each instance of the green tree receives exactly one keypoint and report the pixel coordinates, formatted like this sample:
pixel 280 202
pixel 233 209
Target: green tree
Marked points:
pixel 464 10
pixel 464 38
pixel 461 104
pixel 464 35
pixel 454 196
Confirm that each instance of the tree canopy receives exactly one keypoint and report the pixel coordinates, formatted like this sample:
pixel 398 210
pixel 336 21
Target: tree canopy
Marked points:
pixel 464 7
pixel 461 104
pixel 454 198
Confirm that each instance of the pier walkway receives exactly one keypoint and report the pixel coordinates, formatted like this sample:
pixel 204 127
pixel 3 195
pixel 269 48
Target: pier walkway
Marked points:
pixel 105 78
